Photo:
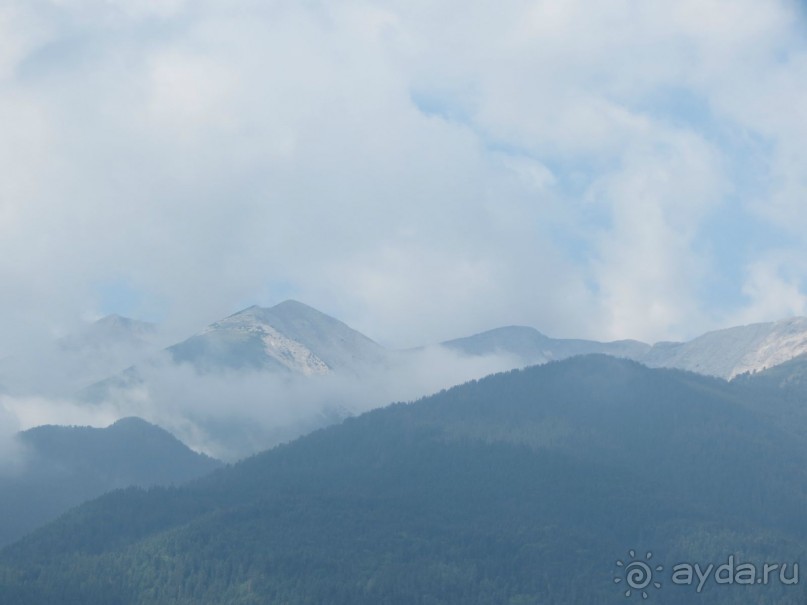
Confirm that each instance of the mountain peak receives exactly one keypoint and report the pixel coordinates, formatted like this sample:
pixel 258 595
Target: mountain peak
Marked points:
pixel 293 305
pixel 109 332
pixel 290 336
pixel 251 310
pixel 115 320
pixel 134 422
pixel 289 307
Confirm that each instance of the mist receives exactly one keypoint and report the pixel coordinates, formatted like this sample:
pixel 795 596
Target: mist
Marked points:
pixel 231 414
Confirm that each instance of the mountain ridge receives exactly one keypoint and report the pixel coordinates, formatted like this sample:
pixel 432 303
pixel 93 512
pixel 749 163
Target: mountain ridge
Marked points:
pixel 725 353
pixel 294 337
pixel 292 349
pixel 63 466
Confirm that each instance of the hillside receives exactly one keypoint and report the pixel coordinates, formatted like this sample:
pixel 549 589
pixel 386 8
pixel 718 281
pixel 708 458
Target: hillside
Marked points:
pixel 523 487
pixel 65 466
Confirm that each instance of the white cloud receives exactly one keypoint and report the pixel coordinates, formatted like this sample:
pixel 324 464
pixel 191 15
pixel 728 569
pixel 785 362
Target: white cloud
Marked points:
pixel 648 272
pixel 419 170
pixel 774 287
pixel 236 413
pixel 26 412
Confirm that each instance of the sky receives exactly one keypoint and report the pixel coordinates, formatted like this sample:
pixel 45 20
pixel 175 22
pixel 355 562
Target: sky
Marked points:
pixel 420 170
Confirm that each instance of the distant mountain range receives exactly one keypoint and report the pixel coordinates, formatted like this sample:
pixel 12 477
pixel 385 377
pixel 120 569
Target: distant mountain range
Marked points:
pixel 723 353
pixel 529 346
pixel 263 376
pixel 292 338
pixel 299 344
pixel 521 488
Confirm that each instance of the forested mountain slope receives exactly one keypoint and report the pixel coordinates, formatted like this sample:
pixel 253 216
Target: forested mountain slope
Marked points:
pixel 523 487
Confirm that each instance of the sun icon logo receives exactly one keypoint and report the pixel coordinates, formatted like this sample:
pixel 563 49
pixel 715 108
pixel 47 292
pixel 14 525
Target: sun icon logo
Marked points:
pixel 637 574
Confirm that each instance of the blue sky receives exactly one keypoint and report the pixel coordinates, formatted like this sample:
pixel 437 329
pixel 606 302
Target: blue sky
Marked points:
pixel 620 169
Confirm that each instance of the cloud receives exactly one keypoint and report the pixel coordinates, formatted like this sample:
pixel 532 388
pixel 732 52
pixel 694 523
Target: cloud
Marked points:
pixel 25 412
pixel 774 287
pixel 648 268
pixel 232 414
pixel 421 172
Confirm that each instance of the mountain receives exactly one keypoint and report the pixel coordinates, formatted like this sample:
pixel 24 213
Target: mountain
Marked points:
pixel 254 379
pixel 530 346
pixel 789 376
pixel 294 338
pixel 64 466
pixel 723 353
pixel 521 488
pixel 111 331
pixel 727 353
pixel 289 369
pixel 92 353
pixel 289 337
